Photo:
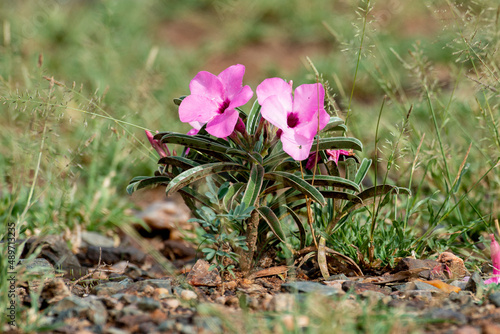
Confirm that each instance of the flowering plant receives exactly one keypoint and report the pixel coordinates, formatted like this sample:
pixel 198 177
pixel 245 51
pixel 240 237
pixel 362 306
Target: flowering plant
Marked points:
pixel 253 163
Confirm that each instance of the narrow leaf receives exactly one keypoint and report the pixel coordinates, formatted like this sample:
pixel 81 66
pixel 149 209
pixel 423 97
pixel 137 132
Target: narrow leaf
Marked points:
pixel 297 183
pixel 369 195
pixel 253 118
pixel 332 181
pixel 302 231
pixel 143 181
pixel 362 170
pixel 333 123
pixel 270 218
pixel 199 172
pixel 254 185
pixel 232 193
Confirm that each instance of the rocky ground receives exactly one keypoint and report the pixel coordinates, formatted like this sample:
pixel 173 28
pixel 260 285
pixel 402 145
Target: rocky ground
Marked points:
pixel 115 286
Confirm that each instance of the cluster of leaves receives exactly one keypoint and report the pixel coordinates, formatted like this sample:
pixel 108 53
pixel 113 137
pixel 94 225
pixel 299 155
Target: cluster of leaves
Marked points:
pixel 256 185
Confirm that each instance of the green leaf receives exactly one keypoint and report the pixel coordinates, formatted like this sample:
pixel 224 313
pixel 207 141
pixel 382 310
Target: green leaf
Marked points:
pixel 351 167
pixel 202 143
pixel 199 172
pixel 232 193
pixel 179 100
pixel 333 123
pixel 297 183
pixel 253 118
pixel 332 181
pixel 362 170
pixel 369 195
pixel 268 215
pixel 302 230
pixel 334 143
pixel 254 185
pixel 140 182
pixel 180 162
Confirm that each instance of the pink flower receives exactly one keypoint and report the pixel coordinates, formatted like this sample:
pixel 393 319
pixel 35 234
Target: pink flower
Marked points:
pixel 333 155
pixel 160 147
pixel 196 128
pixel 213 100
pixel 295 115
pixel 495 260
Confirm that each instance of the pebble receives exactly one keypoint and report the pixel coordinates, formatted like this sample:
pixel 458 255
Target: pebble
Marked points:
pixel 172 303
pixel 162 293
pixel 447 315
pixel 89 307
pixel 96 239
pixel 311 287
pixel 38 267
pixel 188 295
pixel 476 285
pixel 148 304
pixel 494 298
pixel 426 287
pixel 282 302
pixel 155 283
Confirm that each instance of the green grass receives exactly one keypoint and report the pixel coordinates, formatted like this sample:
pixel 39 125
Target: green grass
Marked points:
pixel 69 147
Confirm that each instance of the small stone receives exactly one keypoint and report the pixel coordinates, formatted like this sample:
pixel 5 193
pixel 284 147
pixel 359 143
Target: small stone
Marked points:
pixel 447 315
pixel 424 295
pixel 231 285
pixel 55 290
pixel 161 293
pixel 476 285
pixel 172 303
pixel 148 304
pixel 89 307
pixel 339 277
pixel 372 295
pixel 467 330
pixel 461 298
pixel 188 295
pixel 155 283
pixel 200 275
pixel 494 298
pixel 404 287
pixel 419 285
pixel 282 302
pixel 96 239
pixel 38 267
pixel 114 330
pixel 310 287
pixel 459 284
pixel 148 290
pixel 108 288
pixel 167 325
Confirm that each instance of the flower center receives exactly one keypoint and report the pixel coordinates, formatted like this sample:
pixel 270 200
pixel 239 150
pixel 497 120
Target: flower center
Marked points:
pixel 223 106
pixel 292 120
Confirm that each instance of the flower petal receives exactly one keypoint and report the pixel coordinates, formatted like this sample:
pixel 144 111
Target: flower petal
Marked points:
pixel 223 125
pixel 197 108
pixel 273 111
pixel 232 80
pixel 308 99
pixel 241 98
pixel 208 85
pixel 495 255
pixel 273 86
pixel 296 146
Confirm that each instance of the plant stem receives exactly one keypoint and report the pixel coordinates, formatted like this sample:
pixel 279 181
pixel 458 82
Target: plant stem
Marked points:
pixel 246 257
